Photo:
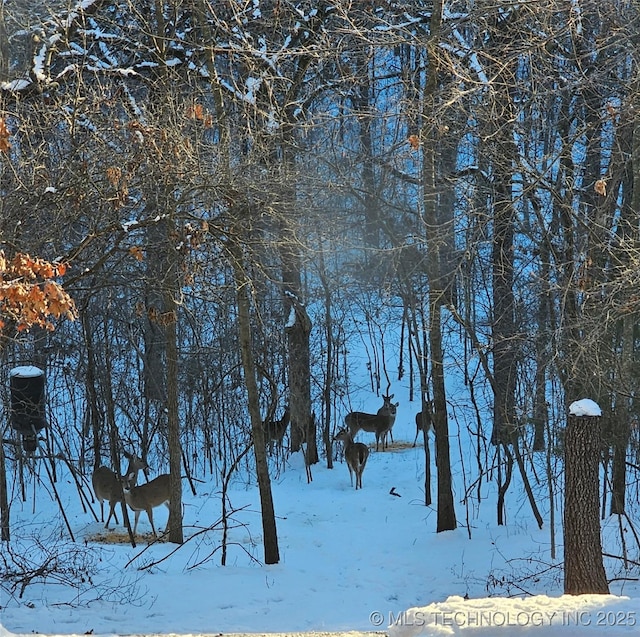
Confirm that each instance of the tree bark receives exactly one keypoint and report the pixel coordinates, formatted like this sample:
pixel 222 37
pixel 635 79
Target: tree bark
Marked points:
pixel 5 532
pixel 583 565
pixel 269 530
pixel 172 381
pixel 446 511
pixel 502 157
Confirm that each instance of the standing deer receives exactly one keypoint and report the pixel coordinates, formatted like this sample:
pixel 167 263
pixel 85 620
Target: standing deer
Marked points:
pixel 379 423
pixel 423 421
pixel 274 430
pixel 393 408
pixel 148 496
pixel 107 485
pixel 355 453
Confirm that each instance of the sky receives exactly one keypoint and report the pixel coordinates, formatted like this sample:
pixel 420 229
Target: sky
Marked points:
pixel 351 560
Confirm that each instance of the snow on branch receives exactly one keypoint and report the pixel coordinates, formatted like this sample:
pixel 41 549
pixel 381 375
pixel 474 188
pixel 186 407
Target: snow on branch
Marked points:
pixel 39 71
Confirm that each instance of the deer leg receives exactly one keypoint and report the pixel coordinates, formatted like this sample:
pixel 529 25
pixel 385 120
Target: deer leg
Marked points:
pixel 135 523
pixel 166 528
pixel 112 512
pixel 150 516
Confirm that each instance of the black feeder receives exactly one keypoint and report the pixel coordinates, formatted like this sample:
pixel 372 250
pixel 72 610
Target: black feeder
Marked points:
pixel 27 404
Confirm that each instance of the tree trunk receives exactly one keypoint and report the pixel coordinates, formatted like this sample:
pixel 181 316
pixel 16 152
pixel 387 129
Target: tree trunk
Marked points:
pixel 174 444
pixel 628 233
pixel 154 337
pixel 446 510
pixel 298 329
pixel 5 532
pixel 502 153
pixel 583 566
pixel 540 409
pixel 243 287
pixel 93 420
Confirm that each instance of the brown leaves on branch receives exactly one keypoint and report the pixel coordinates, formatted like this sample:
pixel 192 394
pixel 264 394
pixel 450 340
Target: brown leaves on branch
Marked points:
pixel 198 113
pixel 5 144
pixel 28 294
pixel 137 253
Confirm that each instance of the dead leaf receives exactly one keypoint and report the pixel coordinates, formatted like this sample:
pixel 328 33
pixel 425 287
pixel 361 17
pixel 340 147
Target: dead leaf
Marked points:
pixel 5 145
pixel 136 252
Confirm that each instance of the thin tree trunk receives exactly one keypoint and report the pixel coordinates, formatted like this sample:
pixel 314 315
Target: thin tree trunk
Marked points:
pixel 502 153
pixel 173 417
pixel 243 288
pixel 446 511
pixel 329 364
pixel 540 415
pixel 5 532
pixel 92 395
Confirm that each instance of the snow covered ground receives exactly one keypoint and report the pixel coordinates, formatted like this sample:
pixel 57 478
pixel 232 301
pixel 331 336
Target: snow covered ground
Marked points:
pixel 366 560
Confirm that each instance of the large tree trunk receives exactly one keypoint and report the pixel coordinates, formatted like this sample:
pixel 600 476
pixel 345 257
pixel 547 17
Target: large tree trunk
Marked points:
pixel 583 566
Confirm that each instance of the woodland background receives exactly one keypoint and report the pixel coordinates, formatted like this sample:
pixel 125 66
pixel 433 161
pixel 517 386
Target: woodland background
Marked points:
pixel 240 191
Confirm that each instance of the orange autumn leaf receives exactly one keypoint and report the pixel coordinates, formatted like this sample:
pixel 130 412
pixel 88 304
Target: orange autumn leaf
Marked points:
pixel 196 112
pixel 114 175
pixel 414 142
pixel 136 252
pixel 601 187
pixel 5 144
pixel 28 295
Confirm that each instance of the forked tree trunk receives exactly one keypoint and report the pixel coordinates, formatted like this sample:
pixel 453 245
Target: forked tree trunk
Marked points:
pixel 583 566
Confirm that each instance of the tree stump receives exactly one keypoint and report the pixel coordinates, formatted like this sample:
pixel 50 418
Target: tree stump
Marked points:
pixel 583 565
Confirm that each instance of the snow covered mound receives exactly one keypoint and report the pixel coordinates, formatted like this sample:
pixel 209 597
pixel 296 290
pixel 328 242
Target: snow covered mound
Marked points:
pixel 585 407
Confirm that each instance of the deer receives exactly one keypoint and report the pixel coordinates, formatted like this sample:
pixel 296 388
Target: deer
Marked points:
pixel 148 496
pixel 355 453
pixel 424 420
pixel 274 430
pixel 379 423
pixel 107 485
pixel 381 412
